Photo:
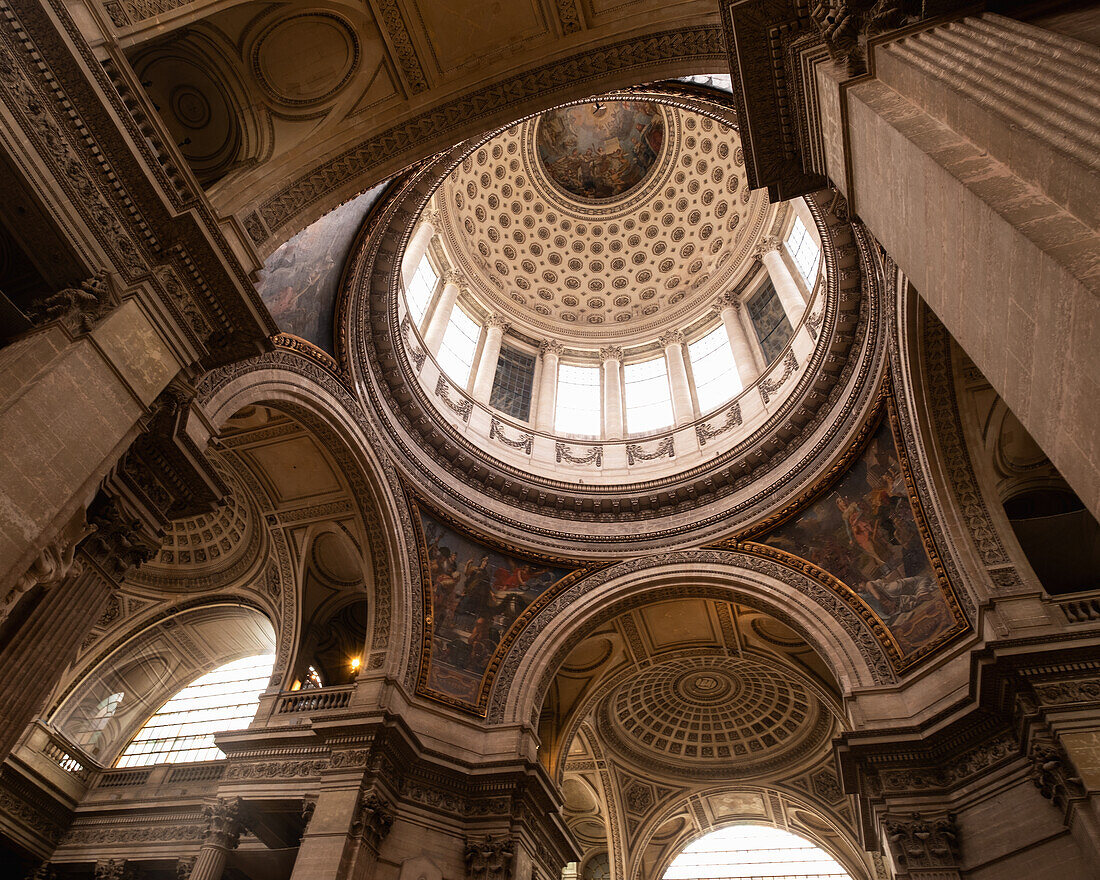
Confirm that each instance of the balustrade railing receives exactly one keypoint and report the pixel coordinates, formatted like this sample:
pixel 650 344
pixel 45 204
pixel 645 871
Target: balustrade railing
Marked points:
pixel 315 700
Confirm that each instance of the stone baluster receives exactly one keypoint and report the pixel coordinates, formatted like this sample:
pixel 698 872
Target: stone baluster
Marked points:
pixel 222 834
pixel 611 358
pixel 683 406
pixel 770 253
pixel 440 315
pixel 549 355
pixel 746 356
pixel 495 328
pixel 418 245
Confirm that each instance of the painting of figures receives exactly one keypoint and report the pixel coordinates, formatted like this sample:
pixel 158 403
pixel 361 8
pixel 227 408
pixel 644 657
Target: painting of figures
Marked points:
pixel 476 595
pixel 865 533
pixel 299 282
pixel 600 150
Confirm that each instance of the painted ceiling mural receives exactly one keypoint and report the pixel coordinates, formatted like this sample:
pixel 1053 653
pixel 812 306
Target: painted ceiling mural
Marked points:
pixel 300 281
pixel 476 594
pixel 600 150
pixel 865 531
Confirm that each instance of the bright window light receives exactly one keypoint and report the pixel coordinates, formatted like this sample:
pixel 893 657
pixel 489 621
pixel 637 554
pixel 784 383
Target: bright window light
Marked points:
pixel 713 369
pixel 578 401
pixel 647 396
pixel 456 352
pixel 183 729
pixel 754 852
pixel 804 252
pixel 418 293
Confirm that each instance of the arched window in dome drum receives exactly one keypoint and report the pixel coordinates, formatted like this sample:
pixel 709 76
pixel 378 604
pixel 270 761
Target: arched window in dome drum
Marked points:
pixel 456 353
pixel 578 409
pixel 754 852
pixel 647 396
pixel 804 252
pixel 418 294
pixel 512 383
pixel 773 330
pixel 714 369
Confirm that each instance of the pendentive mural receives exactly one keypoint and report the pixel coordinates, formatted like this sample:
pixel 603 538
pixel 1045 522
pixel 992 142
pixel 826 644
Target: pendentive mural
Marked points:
pixel 300 281
pixel 600 150
pixel 865 531
pixel 475 595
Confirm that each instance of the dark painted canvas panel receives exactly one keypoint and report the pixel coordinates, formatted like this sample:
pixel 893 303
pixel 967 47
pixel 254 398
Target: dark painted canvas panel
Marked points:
pixel 300 281
pixel 476 595
pixel 865 532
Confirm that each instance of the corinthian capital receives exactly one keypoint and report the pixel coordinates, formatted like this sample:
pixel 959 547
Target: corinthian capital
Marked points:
pixel 452 276
pixel 490 859
pixel 223 823
pixel 55 562
pixel 611 353
pixel 765 246
pixel 118 541
pixel 498 321
pixel 920 841
pixel 78 308
pixel 727 300
pixel 671 337
pixel 549 346
pixel 373 819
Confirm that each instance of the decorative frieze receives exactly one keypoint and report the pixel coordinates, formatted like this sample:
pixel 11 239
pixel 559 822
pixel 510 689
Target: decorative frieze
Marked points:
pixel 704 431
pixel 525 442
pixel 636 452
pixel 461 408
pixel 592 455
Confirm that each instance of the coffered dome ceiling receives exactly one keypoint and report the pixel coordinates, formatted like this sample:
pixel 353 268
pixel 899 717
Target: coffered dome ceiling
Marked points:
pixel 604 221
pixel 690 712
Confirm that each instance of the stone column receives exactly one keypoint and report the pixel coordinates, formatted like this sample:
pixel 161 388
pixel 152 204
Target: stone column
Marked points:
pixel 495 328
pixel 418 245
pixel 770 253
pixel 57 611
pixel 746 355
pixel 549 354
pixel 440 315
pixel 373 820
pixel 683 406
pixel 923 846
pixel 223 833
pixel 612 387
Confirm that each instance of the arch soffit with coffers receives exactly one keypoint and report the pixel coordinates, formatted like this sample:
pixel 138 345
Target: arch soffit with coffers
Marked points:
pixel 312 396
pixel 842 637
pixel 834 393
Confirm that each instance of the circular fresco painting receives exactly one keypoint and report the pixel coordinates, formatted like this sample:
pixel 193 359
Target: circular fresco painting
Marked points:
pixel 600 150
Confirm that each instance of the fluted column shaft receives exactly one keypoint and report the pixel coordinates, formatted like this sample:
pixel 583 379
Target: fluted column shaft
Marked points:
pixel 782 278
pixel 441 315
pixel 546 404
pixel 612 358
pixel 35 650
pixel 490 355
pixel 223 832
pixel 417 247
pixel 210 862
pixel 745 357
pixel 683 408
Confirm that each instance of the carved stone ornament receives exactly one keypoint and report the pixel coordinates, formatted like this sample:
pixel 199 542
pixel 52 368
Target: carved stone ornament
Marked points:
pixel 373 819
pixel 611 353
pixel 498 321
pixel 78 308
pixel 118 542
pixel 56 561
pixel 184 867
pixel 113 869
pixel 766 246
pixel 549 346
pixel 671 337
pixel 923 842
pixel 1053 773
pixel 45 871
pixel 490 859
pixel 727 300
pixel 223 824
pixel 844 22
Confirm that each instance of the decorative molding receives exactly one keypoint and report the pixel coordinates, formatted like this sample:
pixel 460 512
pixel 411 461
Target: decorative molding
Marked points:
pixel 373 819
pixel 498 321
pixel 461 408
pixel 704 432
pixel 549 346
pixel 564 452
pixel 526 442
pixel 569 17
pixel 768 386
pixel 671 337
pixel 397 29
pixel 611 353
pixel 223 823
pixel 924 843
pixel 635 452
pixel 79 309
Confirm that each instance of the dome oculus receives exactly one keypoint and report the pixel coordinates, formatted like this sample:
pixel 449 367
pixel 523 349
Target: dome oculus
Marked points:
pixel 600 150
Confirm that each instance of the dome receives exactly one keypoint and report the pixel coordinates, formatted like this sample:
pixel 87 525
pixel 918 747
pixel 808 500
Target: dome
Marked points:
pixel 586 270
pixel 614 361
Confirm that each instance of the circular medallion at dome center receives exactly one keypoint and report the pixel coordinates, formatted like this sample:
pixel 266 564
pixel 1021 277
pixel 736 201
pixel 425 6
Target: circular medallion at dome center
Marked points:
pixel 600 150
